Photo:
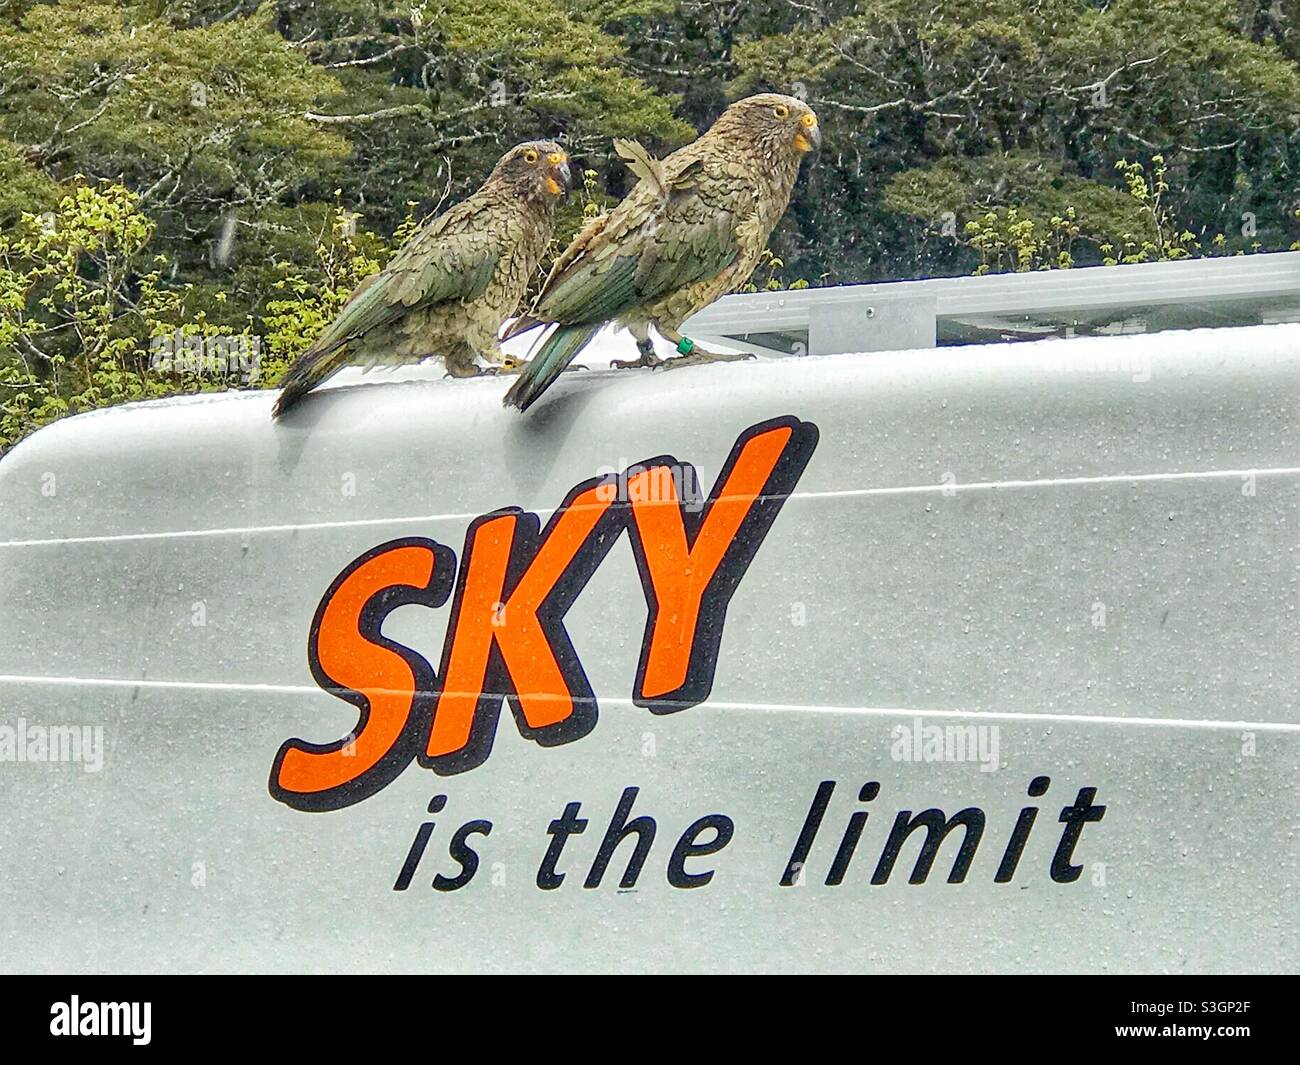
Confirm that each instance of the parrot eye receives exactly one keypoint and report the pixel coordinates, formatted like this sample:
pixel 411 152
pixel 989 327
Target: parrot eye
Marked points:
pixel 809 120
pixel 781 111
pixel 555 158
pixel 530 156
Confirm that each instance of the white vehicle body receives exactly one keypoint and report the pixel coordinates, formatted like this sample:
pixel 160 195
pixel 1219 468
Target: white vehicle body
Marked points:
pixel 986 565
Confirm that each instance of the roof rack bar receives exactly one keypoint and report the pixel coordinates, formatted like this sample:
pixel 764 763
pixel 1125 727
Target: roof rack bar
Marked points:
pixel 905 314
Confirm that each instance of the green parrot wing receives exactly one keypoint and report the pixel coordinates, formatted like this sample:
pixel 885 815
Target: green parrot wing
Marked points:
pixel 669 232
pixel 451 258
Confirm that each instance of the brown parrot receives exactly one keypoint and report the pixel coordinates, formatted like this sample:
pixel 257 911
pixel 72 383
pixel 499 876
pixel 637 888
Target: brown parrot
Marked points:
pixel 453 283
pixel 693 228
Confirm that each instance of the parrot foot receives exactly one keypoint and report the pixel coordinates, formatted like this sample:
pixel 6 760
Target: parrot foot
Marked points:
pixel 505 368
pixel 462 372
pixel 646 358
pixel 700 356
pixel 516 366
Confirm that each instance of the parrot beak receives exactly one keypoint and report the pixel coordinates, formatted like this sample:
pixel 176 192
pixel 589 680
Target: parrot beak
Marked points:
pixel 560 180
pixel 808 141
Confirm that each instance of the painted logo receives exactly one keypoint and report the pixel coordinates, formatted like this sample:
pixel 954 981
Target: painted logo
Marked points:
pixel 506 640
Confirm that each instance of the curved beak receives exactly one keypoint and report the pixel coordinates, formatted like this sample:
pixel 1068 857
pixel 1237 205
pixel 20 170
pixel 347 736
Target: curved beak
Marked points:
pixel 561 179
pixel 809 139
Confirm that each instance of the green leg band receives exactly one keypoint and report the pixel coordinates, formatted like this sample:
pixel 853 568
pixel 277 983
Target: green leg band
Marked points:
pixel 685 346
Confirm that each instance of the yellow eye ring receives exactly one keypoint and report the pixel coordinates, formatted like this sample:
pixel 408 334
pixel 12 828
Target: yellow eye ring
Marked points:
pixel 809 120
pixel 530 156
pixel 781 111
pixel 555 158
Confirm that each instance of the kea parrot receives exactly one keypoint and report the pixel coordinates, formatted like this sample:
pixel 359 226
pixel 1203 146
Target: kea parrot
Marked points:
pixel 453 283
pixel 693 228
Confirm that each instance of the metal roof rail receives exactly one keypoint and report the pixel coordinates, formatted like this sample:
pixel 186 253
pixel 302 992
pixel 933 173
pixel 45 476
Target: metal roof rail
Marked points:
pixel 1089 301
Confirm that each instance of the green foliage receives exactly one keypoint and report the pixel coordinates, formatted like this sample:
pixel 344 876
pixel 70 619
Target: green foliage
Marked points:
pixel 344 258
pixel 968 93
pixel 569 63
pixel 950 193
pixel 1007 241
pixel 432 92
pixel 79 304
pixel 1167 241
pixel 1011 240
pixel 767 275
pixel 189 118
pixel 22 186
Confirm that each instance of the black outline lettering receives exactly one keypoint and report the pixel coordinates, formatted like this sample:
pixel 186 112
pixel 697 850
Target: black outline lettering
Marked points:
pixel 735 562
pixel 369 623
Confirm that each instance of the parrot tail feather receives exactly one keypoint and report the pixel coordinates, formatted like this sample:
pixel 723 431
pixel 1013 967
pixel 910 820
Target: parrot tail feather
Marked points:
pixel 312 368
pixel 520 325
pixel 539 373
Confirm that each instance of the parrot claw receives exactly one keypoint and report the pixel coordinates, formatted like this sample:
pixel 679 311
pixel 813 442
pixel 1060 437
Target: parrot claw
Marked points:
pixel 649 359
pixel 462 371
pixel 700 357
pixel 516 366
pixel 505 368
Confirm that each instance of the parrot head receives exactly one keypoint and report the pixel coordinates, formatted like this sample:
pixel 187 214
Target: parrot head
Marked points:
pixel 538 170
pixel 785 127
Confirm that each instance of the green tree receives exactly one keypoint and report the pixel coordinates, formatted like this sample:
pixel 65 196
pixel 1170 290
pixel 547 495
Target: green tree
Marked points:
pixel 999 103
pixel 81 304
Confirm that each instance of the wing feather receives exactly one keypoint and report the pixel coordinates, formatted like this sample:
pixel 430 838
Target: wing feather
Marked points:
pixel 666 234
pixel 451 258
